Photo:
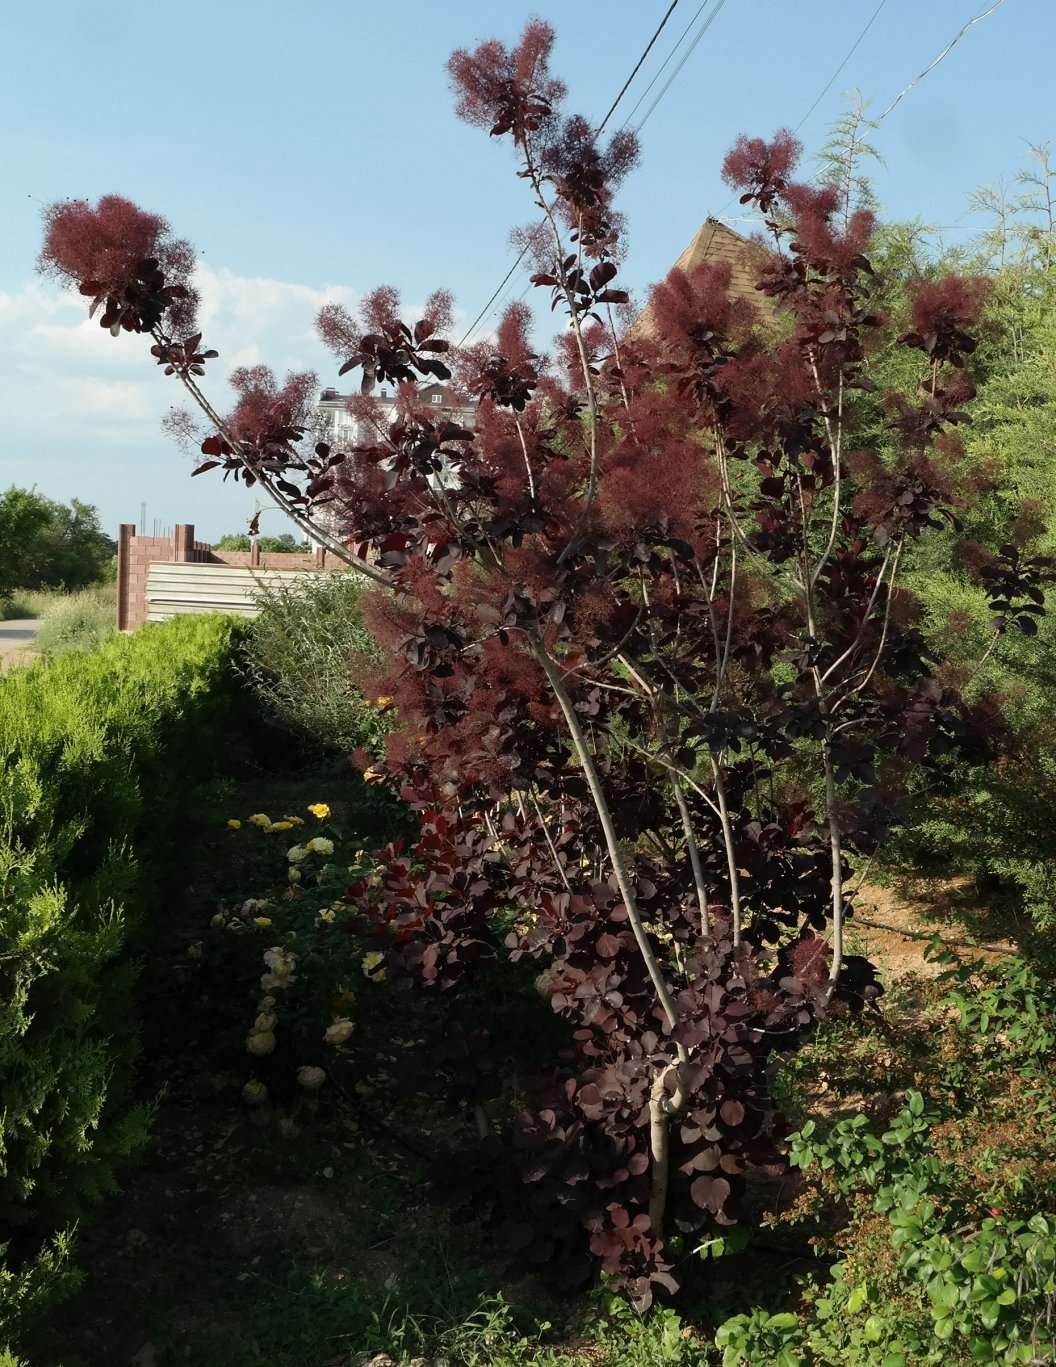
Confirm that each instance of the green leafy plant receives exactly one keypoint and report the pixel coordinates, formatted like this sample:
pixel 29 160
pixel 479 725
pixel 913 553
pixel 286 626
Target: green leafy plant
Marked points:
pixel 95 750
pixel 759 1338
pixel 77 621
pixel 302 655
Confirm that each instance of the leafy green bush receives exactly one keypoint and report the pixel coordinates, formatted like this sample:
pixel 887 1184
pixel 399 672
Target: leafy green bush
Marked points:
pixel 301 656
pixel 77 621
pixel 95 751
pixel 941 1220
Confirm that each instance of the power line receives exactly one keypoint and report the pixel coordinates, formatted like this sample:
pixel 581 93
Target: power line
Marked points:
pixel 850 54
pixel 524 250
pixel 638 67
pixel 663 65
pixel 951 44
pixel 916 81
pixel 686 56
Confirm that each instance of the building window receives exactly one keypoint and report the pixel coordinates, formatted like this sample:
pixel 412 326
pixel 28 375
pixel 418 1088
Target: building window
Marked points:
pixel 438 398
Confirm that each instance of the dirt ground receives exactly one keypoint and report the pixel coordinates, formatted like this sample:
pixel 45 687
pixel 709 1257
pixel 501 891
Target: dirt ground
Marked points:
pixel 16 641
pixel 893 926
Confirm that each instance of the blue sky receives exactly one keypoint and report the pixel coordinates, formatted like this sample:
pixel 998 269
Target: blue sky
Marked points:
pixel 313 154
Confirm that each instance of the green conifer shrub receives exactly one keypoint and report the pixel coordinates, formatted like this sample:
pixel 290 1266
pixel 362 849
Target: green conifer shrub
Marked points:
pixel 96 751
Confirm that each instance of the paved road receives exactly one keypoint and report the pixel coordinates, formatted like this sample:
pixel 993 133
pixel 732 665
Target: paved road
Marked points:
pixel 16 639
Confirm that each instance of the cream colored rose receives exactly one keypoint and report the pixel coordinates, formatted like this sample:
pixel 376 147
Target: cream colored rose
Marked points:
pixel 339 1031
pixel 260 1043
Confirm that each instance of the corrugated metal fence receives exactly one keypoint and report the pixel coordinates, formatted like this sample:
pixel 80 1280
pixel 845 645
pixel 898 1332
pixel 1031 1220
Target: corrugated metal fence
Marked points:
pixel 175 589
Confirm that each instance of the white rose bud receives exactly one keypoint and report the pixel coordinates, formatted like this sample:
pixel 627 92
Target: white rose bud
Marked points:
pixel 311 1079
pixel 260 1043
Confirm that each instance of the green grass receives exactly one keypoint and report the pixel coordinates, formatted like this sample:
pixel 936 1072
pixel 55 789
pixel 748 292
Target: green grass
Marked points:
pixel 38 602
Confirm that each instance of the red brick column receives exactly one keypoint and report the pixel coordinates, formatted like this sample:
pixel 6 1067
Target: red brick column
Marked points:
pixel 183 543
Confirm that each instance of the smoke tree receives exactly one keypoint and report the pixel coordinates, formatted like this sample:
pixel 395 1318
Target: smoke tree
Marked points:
pixel 658 686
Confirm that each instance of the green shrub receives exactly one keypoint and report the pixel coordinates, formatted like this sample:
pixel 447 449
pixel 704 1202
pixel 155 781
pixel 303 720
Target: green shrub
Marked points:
pixel 301 657
pixel 940 1219
pixel 77 621
pixel 95 751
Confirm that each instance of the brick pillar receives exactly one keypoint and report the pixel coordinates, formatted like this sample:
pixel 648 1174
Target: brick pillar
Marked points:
pixel 125 534
pixel 254 553
pixel 183 543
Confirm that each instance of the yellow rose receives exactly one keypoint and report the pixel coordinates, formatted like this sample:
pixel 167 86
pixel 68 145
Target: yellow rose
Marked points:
pixel 254 1093
pixel 294 874
pixel 296 853
pixel 373 776
pixel 320 845
pixel 282 826
pixel 262 921
pixel 328 915
pixel 280 960
pixel 267 1020
pixel 319 809
pixel 372 966
pixel 235 824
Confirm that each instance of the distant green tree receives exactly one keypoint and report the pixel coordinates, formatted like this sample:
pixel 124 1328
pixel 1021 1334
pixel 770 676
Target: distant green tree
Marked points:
pixel 269 545
pixel 23 516
pixel 46 544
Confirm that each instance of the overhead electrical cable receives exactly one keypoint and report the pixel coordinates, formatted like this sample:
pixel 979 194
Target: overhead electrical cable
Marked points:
pixel 951 44
pixel 850 54
pixel 685 58
pixel 985 14
pixel 601 127
pixel 663 65
pixel 638 67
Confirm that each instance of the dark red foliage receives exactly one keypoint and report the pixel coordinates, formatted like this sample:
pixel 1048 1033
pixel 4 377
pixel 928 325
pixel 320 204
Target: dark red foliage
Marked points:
pixel 761 169
pixel 658 688
pixel 507 90
pixel 124 258
pixel 944 312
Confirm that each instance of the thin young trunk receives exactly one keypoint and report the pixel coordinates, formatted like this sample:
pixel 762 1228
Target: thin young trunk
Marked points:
pixel 694 852
pixel 661 1107
pixel 623 878
pixel 836 849
pixel 731 853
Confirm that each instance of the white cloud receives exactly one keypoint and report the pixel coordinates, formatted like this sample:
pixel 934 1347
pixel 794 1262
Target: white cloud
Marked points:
pixel 83 410
pixel 253 319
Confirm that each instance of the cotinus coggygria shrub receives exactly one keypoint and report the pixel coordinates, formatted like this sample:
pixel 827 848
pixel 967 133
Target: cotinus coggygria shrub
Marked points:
pixel 657 683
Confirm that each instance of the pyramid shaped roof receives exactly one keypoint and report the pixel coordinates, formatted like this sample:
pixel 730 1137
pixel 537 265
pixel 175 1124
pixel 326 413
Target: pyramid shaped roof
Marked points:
pixel 713 241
